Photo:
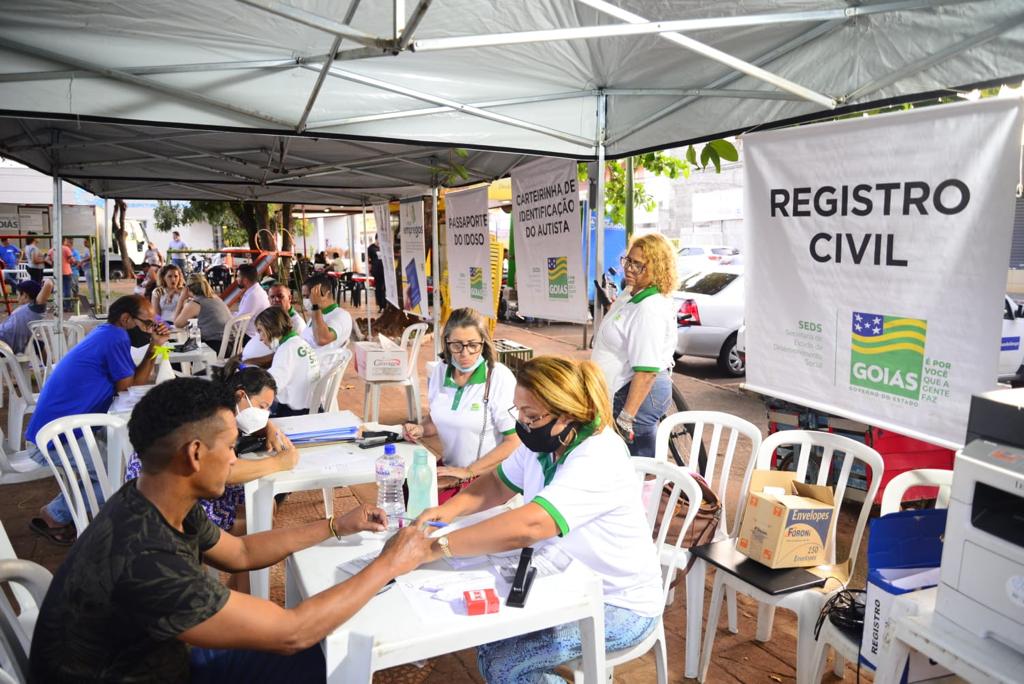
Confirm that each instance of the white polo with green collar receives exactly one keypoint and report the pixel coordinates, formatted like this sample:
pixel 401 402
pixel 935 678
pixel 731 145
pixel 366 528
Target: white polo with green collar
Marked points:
pixel 338 320
pixel 295 370
pixel 638 334
pixel 458 412
pixel 594 496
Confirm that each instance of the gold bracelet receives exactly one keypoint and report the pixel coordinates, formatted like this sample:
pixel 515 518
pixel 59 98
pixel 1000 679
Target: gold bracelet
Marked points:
pixel 330 523
pixel 470 471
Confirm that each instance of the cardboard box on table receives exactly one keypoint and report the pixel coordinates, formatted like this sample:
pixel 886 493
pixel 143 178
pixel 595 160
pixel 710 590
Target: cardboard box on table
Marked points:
pixel 381 360
pixel 789 526
pixel 904 551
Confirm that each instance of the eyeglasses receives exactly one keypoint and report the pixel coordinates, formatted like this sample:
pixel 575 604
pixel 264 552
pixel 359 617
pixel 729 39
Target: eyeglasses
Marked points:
pixel 631 265
pixel 471 347
pixel 146 324
pixel 525 421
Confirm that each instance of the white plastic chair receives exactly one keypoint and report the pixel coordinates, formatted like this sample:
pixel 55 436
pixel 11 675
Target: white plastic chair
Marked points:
pixel 323 395
pixel 59 445
pixel 807 603
pixel 19 467
pixel 15 640
pixel 42 349
pixel 22 398
pixel 721 430
pixel 231 340
pixel 412 340
pixel 844 647
pixel 25 605
pixel 681 483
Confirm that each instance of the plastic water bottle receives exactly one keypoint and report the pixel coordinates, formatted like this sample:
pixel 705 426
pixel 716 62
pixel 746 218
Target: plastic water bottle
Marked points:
pixel 390 478
pixel 193 331
pixel 419 483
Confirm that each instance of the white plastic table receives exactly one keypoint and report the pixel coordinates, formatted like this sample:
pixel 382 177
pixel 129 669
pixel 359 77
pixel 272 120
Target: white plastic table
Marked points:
pixel 259 494
pixel 965 654
pixel 389 631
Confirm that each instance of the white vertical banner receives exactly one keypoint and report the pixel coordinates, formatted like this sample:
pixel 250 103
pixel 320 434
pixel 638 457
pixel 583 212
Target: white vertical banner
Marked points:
pixel 877 257
pixel 549 241
pixel 386 240
pixel 414 257
pixel 468 238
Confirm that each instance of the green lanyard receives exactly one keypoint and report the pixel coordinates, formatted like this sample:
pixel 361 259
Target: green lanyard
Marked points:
pixel 549 465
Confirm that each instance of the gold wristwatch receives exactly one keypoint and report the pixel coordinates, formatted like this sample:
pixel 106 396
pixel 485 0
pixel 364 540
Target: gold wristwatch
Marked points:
pixel 443 543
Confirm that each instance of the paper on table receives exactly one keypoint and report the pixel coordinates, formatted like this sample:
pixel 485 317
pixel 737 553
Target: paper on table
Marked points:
pixel 335 460
pixel 548 559
pixel 356 565
pixel 439 599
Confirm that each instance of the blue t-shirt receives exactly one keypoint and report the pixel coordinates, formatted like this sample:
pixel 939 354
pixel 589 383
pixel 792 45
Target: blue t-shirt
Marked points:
pixel 83 381
pixel 10 253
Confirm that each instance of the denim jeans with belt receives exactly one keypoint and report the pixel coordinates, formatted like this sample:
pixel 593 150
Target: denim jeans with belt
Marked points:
pixel 653 408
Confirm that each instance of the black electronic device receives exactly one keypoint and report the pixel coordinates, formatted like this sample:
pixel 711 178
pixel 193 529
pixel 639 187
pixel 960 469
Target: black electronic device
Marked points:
pixel 371 442
pixel 525 574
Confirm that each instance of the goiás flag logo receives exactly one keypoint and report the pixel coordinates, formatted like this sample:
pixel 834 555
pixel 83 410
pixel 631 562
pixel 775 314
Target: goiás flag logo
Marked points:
pixel 887 353
pixel 558 277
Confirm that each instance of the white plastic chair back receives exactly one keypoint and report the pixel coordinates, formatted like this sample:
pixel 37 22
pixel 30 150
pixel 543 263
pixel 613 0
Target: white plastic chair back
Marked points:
pixel 412 340
pixel 716 470
pixel 59 445
pixel 15 381
pixel 892 497
pixel 804 442
pixel 15 640
pixel 231 342
pixel 324 393
pixel 43 348
pixel 656 475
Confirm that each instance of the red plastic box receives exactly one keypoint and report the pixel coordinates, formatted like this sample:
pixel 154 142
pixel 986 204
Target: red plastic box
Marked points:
pixel 481 601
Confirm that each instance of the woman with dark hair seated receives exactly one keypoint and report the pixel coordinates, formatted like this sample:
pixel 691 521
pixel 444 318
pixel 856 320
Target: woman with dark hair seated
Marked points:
pixel 254 390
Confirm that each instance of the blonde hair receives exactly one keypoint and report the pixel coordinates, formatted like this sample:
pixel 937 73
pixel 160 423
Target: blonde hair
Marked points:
pixel 468 318
pixel 161 277
pixel 660 259
pixel 575 389
pixel 199 285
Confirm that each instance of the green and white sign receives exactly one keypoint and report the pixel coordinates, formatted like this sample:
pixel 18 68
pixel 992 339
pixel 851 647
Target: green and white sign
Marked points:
pixel 468 238
pixel 876 262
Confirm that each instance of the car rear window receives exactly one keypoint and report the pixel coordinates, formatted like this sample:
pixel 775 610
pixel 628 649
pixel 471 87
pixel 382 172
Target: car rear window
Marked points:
pixel 690 251
pixel 723 250
pixel 707 283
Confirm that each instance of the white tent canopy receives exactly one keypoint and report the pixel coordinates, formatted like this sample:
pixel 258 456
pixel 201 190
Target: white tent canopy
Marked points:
pixel 536 76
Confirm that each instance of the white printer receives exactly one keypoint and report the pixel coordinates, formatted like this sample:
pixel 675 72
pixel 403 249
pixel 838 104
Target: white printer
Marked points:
pixel 981 586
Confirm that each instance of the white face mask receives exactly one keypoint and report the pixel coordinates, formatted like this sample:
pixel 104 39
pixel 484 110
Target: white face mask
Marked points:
pixel 307 303
pixel 252 419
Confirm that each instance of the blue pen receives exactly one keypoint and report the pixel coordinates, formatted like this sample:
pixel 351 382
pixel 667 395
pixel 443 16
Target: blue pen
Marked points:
pixel 432 523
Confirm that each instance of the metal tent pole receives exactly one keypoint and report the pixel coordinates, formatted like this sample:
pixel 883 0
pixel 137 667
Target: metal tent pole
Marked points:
pixel 105 249
pixel 366 290
pixel 57 239
pixel 435 269
pixel 602 102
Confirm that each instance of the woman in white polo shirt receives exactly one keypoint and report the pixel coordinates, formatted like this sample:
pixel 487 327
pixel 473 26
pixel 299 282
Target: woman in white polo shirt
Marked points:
pixel 635 342
pixel 329 324
pixel 295 367
pixel 470 396
pixel 583 496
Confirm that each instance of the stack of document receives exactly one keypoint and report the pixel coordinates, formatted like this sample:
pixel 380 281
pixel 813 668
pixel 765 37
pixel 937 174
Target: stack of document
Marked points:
pixel 335 434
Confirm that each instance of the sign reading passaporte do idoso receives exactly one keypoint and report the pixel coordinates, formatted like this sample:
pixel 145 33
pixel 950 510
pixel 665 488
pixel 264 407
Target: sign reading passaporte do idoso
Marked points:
pixel 877 253
pixel 549 241
pixel 469 250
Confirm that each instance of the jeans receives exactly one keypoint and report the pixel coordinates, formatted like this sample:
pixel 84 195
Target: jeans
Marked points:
pixel 220 665
pixel 180 263
pixel 531 657
pixel 66 283
pixel 653 408
pixel 58 507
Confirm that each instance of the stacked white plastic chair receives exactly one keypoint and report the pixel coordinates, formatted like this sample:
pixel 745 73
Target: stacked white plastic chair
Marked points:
pixel 43 350
pixel 722 430
pixel 27 583
pixel 21 398
pixel 806 603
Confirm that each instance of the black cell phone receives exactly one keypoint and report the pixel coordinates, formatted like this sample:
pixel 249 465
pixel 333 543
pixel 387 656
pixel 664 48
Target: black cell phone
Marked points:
pixel 523 581
pixel 371 442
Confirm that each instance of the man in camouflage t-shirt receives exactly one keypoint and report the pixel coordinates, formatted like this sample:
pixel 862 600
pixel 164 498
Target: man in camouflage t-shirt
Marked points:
pixel 132 593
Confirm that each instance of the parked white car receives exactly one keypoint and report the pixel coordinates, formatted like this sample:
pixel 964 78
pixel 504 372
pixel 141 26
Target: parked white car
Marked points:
pixel 692 259
pixel 709 314
pixel 1011 351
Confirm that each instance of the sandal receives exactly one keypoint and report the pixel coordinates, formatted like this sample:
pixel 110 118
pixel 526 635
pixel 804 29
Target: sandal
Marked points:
pixel 62 536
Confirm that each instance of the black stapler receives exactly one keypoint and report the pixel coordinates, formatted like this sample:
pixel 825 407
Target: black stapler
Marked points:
pixel 525 575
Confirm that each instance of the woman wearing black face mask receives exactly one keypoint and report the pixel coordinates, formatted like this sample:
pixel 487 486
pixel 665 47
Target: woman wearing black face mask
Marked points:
pixel 583 497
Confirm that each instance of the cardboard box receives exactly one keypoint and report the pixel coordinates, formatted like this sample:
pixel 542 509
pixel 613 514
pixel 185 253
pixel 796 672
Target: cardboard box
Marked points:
pixel 381 360
pixel 788 526
pixel 904 551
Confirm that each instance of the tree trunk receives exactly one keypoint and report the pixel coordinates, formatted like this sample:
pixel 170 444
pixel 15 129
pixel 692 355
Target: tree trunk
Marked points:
pixel 120 237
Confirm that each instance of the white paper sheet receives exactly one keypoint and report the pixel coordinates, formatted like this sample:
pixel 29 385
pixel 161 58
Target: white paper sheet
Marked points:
pixel 334 460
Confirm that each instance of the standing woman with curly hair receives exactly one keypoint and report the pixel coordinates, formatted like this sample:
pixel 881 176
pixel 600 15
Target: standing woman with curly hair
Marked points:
pixel 635 342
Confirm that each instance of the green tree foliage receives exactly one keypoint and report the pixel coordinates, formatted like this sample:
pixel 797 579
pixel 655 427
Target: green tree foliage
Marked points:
pixel 660 164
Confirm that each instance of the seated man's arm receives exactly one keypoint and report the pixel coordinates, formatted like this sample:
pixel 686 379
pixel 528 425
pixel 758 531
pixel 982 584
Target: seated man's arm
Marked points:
pixel 254 623
pixel 44 293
